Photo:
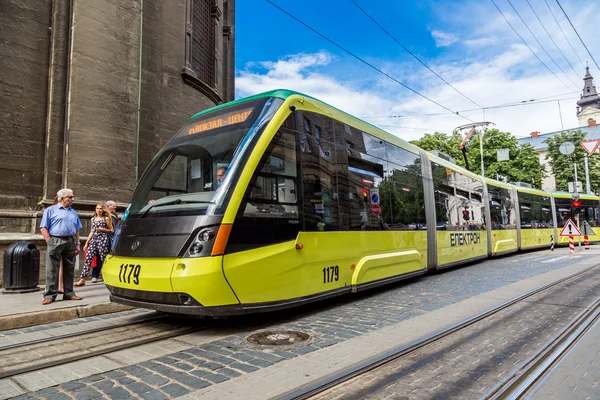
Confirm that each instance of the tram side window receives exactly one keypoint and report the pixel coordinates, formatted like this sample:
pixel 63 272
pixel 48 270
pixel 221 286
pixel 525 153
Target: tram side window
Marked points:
pixel 319 182
pixel 356 184
pixel 501 208
pixel 272 191
pixel 535 211
pixel 563 211
pixel 401 192
pixel 477 206
pixel 458 202
pixel 590 212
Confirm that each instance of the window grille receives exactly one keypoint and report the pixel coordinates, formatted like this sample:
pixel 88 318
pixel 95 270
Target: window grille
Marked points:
pixel 203 41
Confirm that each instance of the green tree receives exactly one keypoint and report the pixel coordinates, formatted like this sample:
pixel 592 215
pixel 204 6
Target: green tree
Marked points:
pixel 446 144
pixel 523 166
pixel 562 166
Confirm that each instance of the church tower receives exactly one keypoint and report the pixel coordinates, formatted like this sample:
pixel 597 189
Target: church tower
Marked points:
pixel 588 107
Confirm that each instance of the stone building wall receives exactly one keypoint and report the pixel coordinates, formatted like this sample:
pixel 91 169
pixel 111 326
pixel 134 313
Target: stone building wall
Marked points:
pixel 74 75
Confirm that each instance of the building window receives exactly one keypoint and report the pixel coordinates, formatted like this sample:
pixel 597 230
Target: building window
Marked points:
pixel 203 41
pixel 201 67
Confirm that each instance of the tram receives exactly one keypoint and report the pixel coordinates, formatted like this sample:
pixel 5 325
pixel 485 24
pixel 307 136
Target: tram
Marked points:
pixel 279 199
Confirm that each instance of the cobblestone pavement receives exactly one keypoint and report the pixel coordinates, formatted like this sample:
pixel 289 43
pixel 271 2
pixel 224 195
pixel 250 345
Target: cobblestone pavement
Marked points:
pixel 186 365
pixel 471 362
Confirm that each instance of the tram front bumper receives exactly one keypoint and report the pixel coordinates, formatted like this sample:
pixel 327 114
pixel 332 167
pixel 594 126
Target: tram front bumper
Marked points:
pixel 194 286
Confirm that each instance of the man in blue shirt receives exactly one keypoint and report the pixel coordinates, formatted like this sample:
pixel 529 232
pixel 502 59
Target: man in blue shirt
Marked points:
pixel 60 228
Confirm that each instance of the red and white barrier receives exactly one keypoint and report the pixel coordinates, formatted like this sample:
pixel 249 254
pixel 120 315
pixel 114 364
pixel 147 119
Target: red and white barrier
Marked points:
pixel 586 242
pixel 571 245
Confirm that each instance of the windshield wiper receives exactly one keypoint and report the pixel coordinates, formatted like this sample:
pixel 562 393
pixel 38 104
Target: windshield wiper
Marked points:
pixel 178 201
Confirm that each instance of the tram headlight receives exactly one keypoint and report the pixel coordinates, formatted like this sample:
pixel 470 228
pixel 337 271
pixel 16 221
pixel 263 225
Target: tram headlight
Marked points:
pixel 195 249
pixel 206 235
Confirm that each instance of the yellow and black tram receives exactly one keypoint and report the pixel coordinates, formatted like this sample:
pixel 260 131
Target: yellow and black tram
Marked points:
pixel 309 203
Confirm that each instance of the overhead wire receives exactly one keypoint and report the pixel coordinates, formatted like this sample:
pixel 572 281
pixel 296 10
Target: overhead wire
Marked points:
pixel 521 103
pixel 366 63
pixel 413 55
pixel 582 42
pixel 540 43
pixel 563 32
pixel 530 49
pixel 550 36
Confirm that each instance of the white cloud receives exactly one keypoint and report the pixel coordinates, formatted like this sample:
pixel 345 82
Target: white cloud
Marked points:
pixel 489 82
pixel 483 41
pixel 443 39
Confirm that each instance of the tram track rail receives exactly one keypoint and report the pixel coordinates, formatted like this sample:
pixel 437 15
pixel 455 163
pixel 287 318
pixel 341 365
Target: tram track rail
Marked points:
pixel 528 378
pixel 36 355
pixel 79 333
pixel 509 386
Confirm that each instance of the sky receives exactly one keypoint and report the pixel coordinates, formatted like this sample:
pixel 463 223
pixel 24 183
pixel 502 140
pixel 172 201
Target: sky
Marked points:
pixel 468 43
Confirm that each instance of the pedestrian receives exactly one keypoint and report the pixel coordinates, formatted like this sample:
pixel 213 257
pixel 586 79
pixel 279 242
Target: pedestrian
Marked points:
pixel 111 206
pixel 98 242
pixel 60 228
pixel 61 289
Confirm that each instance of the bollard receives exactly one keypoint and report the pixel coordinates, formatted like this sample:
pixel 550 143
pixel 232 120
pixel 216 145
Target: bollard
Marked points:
pixel 571 245
pixel 551 243
pixel 586 243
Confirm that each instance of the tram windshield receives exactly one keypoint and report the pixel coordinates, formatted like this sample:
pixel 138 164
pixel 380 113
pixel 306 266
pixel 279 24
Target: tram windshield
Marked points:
pixel 194 173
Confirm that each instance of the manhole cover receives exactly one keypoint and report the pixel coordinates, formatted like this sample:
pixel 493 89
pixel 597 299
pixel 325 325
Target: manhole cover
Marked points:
pixel 278 338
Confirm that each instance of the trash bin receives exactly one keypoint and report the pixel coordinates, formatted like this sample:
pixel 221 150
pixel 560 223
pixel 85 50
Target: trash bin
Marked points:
pixel 21 270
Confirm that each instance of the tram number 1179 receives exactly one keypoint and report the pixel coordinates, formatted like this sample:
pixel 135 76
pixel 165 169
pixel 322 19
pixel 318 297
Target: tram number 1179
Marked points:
pixel 127 270
pixel 331 274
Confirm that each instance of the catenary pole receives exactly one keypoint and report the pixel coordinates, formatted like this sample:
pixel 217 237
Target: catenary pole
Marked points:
pixel 588 189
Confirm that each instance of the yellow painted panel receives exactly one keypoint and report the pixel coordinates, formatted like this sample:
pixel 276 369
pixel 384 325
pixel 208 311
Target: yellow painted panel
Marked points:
pixel 504 240
pixel 380 266
pixel 536 237
pixel 154 273
pixel 203 279
pixel 281 272
pixel 456 246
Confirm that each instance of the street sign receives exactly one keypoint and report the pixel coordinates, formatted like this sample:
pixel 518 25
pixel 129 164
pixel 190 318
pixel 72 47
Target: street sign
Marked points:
pixel 375 196
pixel 587 229
pixel 503 155
pixel 566 148
pixel 570 229
pixel 376 208
pixel 572 187
pixel 590 145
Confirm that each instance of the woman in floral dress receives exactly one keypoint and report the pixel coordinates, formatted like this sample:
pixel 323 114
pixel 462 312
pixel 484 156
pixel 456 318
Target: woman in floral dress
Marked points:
pixel 98 241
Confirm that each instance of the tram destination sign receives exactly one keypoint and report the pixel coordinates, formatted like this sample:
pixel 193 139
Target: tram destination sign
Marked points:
pixel 219 121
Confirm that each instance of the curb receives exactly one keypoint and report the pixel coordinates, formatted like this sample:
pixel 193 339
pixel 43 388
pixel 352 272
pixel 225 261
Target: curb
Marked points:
pixel 18 321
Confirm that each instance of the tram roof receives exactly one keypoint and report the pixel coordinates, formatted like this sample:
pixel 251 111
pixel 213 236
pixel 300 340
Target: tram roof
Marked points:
pixel 285 94
pixel 568 195
pixel 280 93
